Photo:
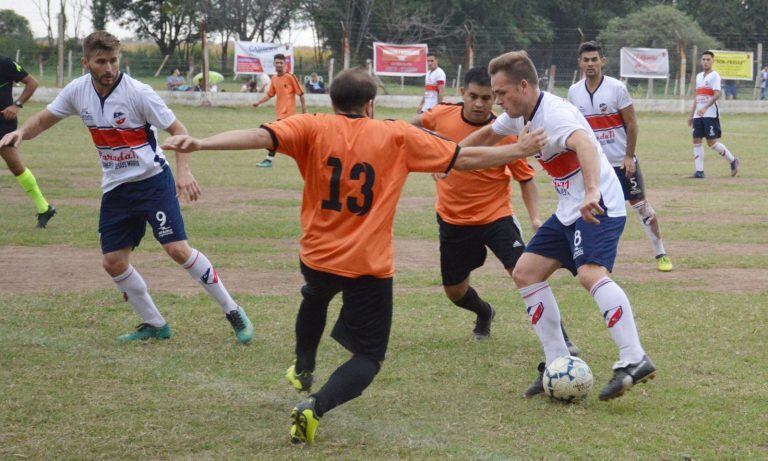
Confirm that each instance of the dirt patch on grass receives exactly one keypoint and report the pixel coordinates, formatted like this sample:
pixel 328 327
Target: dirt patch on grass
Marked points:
pixel 65 269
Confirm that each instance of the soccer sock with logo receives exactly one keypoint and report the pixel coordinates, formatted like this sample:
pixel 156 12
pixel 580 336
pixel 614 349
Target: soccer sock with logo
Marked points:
pixel 698 157
pixel 650 226
pixel 346 383
pixel 545 316
pixel 201 269
pixel 134 290
pixel 310 323
pixel 723 151
pixel 29 184
pixel 472 302
pixel 617 312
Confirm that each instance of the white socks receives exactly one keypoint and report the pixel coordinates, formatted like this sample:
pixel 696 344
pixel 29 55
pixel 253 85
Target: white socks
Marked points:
pixel 545 317
pixel 698 157
pixel 201 269
pixel 722 150
pixel 650 225
pixel 134 291
pixel 617 312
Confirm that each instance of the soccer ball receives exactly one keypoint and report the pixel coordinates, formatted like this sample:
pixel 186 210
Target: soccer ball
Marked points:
pixel 567 379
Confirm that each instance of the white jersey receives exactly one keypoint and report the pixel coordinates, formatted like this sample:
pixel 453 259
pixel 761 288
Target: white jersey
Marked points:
pixel 706 85
pixel 122 126
pixel 601 109
pixel 433 80
pixel 559 119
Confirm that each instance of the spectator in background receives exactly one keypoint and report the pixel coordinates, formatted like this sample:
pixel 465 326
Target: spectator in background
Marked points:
pixel 314 85
pixel 731 89
pixel 434 85
pixel 176 82
pixel 249 86
pixel 763 82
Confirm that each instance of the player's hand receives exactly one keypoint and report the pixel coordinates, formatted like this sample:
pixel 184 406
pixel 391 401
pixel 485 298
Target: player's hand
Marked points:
pixel 700 112
pixel 10 112
pixel 182 143
pixel 186 186
pixel 532 142
pixel 535 224
pixel 255 104
pixel 628 165
pixel 12 139
pixel 690 121
pixel 591 207
pixel 439 176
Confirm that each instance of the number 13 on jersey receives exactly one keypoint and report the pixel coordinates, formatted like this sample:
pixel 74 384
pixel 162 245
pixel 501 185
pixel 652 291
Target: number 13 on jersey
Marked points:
pixel 362 174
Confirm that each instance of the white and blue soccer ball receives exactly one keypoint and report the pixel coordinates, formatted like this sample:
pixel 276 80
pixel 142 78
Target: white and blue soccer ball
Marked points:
pixel 568 379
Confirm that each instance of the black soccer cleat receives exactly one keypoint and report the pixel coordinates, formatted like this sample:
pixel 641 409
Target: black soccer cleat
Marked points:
pixel 697 175
pixel 573 349
pixel 537 388
pixel 626 376
pixel 735 166
pixel 482 330
pixel 43 218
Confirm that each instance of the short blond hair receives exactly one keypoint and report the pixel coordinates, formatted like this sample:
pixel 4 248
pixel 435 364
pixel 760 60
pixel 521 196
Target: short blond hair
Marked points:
pixel 100 41
pixel 517 65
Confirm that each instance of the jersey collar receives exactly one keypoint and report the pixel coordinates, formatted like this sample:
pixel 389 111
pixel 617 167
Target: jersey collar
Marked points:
pixel 104 98
pixel 536 107
pixel 592 93
pixel 469 122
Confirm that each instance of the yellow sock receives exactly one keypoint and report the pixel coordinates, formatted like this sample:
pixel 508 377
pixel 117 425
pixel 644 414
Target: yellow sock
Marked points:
pixel 29 184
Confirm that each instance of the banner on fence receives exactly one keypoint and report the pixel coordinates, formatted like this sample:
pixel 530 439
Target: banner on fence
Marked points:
pixel 257 58
pixel 399 60
pixel 733 65
pixel 644 63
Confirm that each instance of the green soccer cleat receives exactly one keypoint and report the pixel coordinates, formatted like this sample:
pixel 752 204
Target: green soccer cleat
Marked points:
pixel 663 263
pixel 241 324
pixel 146 331
pixel 302 382
pixel 266 163
pixel 305 422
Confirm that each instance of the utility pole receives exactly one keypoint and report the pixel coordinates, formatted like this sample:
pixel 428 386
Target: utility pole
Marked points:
pixel 204 78
pixel 60 51
pixel 470 47
pixel 345 45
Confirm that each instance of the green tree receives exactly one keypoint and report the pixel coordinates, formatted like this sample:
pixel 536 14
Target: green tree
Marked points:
pixel 15 34
pixel 166 22
pixel 738 24
pixel 659 26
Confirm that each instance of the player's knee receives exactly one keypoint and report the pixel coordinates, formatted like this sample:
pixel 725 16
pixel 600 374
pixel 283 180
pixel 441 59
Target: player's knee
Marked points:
pixel 590 274
pixel 314 296
pixel 178 251
pixel 523 276
pixel 645 211
pixel 113 265
pixel 455 292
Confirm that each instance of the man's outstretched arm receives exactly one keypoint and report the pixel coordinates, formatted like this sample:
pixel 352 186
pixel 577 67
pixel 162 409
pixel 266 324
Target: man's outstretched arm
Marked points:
pixel 255 138
pixel 34 125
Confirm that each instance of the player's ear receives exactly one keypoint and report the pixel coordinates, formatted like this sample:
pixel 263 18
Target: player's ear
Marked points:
pixel 368 109
pixel 461 89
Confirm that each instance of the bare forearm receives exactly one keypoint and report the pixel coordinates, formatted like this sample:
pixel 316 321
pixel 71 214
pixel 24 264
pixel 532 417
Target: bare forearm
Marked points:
pixel 29 90
pixel 303 104
pixel 632 131
pixel 481 157
pixel 37 123
pixel 530 194
pixel 256 138
pixel 482 137
pixel 590 166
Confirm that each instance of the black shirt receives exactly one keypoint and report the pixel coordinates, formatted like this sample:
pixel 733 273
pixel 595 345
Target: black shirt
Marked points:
pixel 10 72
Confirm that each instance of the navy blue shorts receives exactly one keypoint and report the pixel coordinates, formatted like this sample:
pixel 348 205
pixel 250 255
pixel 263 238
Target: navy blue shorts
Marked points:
pixel 580 243
pixel 633 187
pixel 126 209
pixel 706 127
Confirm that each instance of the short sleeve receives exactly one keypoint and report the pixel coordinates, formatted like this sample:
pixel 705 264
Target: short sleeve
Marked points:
pixel 292 135
pixel 425 151
pixel 521 170
pixel 64 104
pixel 272 90
pixel 13 70
pixel 716 84
pixel 559 126
pixel 623 100
pixel 297 86
pixel 154 109
pixel 506 125
pixel 429 118
pixel 440 77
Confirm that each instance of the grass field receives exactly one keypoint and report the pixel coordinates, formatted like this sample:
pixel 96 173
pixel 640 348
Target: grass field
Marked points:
pixel 68 391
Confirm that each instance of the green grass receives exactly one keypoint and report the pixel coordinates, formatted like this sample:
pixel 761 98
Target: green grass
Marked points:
pixel 68 391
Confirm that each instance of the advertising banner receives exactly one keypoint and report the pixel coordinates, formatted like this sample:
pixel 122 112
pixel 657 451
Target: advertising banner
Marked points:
pixel 733 65
pixel 644 63
pixel 399 60
pixel 257 58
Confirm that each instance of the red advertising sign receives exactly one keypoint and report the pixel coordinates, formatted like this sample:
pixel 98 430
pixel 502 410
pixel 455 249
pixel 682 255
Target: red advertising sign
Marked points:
pixel 399 60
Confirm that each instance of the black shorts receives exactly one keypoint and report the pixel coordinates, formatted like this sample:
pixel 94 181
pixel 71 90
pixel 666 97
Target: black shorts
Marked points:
pixel 633 187
pixel 6 126
pixel 707 127
pixel 463 248
pixel 365 319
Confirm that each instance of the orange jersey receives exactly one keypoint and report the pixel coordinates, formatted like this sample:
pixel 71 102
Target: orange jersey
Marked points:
pixel 472 198
pixel 286 87
pixel 354 169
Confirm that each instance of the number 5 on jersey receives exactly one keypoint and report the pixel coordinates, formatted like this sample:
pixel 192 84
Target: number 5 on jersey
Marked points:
pixel 360 172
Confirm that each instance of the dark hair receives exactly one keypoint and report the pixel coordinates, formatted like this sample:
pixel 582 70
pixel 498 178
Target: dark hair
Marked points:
pixel 709 53
pixel 352 89
pixel 100 41
pixel 174 69
pixel 280 56
pixel 589 46
pixel 432 54
pixel 478 75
